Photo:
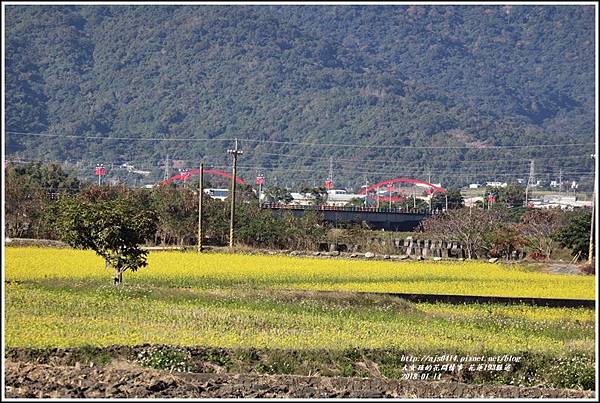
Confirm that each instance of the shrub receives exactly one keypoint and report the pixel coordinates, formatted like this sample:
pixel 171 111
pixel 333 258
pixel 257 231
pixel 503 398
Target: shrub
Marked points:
pixel 169 358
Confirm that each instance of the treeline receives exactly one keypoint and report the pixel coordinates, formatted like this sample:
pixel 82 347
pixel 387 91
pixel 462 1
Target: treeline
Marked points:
pixel 36 194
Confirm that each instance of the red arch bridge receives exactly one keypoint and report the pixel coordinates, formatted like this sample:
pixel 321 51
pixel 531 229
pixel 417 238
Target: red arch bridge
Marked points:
pixel 387 184
pixel 185 175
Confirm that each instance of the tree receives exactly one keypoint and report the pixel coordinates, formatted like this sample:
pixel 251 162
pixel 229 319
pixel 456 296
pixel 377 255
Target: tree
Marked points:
pixel 575 234
pixel 318 194
pixel 505 240
pixel 31 192
pixel 24 201
pixel 539 227
pixel 113 229
pixel 513 195
pixel 469 227
pixel 177 210
pixel 455 200
pixel 276 194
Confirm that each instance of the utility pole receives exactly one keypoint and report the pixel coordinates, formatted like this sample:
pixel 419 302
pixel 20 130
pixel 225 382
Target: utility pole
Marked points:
pixel 529 181
pixel 591 248
pixel 200 195
pixel 446 201
pixel 560 181
pixel 167 173
pixel 429 201
pixel 235 152
pixel 260 180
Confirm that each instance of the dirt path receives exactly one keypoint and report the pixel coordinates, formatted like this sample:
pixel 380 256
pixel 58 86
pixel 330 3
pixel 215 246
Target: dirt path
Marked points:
pixel 29 380
pixel 563 268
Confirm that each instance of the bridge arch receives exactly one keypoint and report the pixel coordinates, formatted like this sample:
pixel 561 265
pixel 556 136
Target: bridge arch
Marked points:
pixel 431 186
pixel 192 172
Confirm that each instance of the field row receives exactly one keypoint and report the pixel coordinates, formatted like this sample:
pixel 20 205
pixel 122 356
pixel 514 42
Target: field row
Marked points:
pixel 45 316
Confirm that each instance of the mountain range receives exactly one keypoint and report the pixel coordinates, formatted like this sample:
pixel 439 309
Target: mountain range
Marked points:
pixel 451 94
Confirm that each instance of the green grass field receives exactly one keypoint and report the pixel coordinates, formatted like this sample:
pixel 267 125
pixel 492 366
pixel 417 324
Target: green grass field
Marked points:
pixel 63 298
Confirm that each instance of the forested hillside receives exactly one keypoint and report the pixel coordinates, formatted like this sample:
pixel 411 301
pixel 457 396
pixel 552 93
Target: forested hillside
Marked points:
pixel 415 78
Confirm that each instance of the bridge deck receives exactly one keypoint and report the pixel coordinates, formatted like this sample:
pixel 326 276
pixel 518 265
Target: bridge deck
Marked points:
pixel 382 218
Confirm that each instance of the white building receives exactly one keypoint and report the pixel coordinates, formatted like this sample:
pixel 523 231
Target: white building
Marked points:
pixel 340 197
pixel 302 199
pixel 496 184
pixel 564 202
pixel 335 197
pixel 472 201
pixel 140 172
pixel 219 194
pixel 474 186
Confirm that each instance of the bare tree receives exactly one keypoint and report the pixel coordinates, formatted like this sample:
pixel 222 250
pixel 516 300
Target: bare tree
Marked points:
pixel 539 228
pixel 470 227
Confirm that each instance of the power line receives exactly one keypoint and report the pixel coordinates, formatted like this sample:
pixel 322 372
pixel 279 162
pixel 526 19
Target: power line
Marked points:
pixel 313 144
pixel 116 138
pixel 398 160
pixel 452 172
pixel 452 163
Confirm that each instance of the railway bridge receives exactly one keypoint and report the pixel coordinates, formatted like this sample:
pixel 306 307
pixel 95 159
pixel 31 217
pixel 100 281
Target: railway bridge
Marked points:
pixel 389 219
pixel 382 218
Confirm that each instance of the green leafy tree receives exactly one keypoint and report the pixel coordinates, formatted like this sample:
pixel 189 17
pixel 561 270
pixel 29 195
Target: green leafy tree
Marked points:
pixel 177 210
pixel 318 194
pixel 513 195
pixel 575 234
pixel 455 200
pixel 113 229
pixel 24 200
pixel 409 204
pixel 276 194
pixel 31 192
pixel 216 217
pixel 357 202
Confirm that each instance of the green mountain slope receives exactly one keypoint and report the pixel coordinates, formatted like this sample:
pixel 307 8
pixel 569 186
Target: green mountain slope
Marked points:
pixel 398 76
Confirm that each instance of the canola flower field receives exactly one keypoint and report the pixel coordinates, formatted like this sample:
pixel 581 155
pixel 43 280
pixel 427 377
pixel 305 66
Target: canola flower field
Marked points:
pixel 64 298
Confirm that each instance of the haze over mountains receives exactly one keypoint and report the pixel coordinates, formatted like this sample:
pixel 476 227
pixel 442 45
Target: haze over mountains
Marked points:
pixel 408 77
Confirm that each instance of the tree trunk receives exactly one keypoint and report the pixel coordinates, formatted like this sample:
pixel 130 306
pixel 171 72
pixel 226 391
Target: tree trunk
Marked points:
pixel 118 276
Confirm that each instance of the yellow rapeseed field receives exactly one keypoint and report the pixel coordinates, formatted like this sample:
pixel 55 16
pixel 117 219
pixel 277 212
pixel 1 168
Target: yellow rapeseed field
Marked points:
pixel 65 298
pixel 189 269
